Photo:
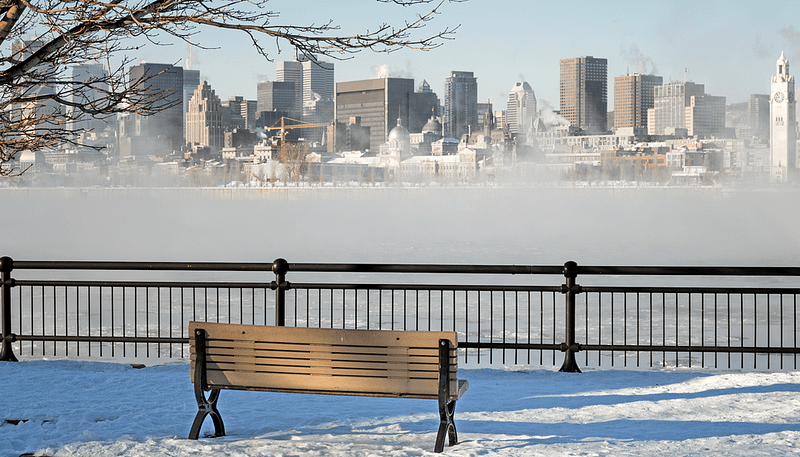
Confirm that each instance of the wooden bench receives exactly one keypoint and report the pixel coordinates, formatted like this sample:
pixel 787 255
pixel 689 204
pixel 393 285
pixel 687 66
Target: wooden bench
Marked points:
pixel 378 363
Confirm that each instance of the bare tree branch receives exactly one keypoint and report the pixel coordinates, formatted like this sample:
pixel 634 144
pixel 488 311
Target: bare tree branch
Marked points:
pixel 40 104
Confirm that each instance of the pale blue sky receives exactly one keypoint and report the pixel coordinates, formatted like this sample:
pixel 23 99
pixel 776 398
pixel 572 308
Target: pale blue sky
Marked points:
pixel 730 46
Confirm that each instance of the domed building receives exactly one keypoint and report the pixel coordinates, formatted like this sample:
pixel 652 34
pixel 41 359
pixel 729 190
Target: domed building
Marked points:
pixel 433 126
pixel 32 161
pixel 431 132
pixel 399 142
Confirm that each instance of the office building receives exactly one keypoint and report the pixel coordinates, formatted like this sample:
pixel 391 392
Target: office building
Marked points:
pixel 583 93
pixel 292 71
pixel 381 102
pixel 634 94
pixel 95 75
pixel 758 116
pixel 204 119
pixel 460 104
pixel 276 96
pixel 162 132
pixel 683 108
pixel 191 79
pixel 520 109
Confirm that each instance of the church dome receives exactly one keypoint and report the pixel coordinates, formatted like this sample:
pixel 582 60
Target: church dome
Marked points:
pixel 432 126
pixel 399 133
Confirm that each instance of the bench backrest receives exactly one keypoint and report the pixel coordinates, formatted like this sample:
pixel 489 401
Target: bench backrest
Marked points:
pixel 324 361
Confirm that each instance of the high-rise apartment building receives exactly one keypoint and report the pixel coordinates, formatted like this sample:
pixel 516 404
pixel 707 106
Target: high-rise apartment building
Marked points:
pixel 380 102
pixel 634 94
pixel 783 123
pixel 460 104
pixel 204 119
pixel 521 109
pixel 163 130
pixel 583 93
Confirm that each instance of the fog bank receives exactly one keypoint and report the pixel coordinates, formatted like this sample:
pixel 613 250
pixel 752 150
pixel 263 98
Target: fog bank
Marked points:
pixel 623 226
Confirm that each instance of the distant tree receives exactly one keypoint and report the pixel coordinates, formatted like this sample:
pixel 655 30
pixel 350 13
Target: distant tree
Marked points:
pixel 294 161
pixel 42 39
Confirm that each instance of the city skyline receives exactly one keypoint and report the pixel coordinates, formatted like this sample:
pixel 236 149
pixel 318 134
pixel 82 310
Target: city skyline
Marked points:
pixel 731 50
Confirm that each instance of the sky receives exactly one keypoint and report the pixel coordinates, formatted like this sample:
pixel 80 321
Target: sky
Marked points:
pixel 730 46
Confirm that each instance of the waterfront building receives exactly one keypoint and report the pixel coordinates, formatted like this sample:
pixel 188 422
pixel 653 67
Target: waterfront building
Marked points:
pixel 783 123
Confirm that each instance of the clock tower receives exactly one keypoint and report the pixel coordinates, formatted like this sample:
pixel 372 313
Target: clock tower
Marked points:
pixel 783 124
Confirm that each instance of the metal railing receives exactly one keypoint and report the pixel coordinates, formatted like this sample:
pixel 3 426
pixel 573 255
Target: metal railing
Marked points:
pixel 711 325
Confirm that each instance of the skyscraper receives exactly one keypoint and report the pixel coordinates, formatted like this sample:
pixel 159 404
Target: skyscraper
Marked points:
pixel 292 71
pixel 86 73
pixel 276 96
pixel 204 118
pixel 521 109
pixel 758 115
pixel 164 130
pixel 583 93
pixel 460 104
pixel 633 96
pixel 783 123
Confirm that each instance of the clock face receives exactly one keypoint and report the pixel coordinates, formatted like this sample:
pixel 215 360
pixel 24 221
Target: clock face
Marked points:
pixel 778 97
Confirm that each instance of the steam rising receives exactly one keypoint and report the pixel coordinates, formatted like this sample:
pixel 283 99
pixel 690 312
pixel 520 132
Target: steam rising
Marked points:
pixel 644 65
pixel 386 71
pixel 537 225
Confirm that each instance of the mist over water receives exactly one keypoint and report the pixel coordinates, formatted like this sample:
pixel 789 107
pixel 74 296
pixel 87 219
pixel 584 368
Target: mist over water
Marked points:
pixel 538 226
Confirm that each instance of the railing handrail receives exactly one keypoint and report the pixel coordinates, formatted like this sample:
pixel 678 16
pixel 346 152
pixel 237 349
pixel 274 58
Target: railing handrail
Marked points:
pixel 411 268
pixel 570 271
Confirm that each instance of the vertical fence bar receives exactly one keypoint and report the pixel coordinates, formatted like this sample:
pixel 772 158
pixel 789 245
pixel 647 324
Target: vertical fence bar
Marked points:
pixel 7 352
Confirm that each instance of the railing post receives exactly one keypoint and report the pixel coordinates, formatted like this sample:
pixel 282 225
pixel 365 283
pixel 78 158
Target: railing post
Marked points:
pixel 280 267
pixel 7 352
pixel 570 289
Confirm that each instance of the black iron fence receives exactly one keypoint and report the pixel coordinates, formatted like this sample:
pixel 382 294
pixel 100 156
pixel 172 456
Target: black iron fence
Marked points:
pixel 737 317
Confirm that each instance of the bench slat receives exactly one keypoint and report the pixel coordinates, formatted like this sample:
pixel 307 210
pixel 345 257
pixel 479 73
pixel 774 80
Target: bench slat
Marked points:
pixel 366 358
pixel 336 385
pixel 215 344
pixel 372 365
pixel 388 338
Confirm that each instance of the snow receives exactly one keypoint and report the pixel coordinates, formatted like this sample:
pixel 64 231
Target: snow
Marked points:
pixel 81 408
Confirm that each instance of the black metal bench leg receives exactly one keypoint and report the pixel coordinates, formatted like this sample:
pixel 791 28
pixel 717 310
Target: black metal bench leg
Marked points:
pixel 207 408
pixel 447 427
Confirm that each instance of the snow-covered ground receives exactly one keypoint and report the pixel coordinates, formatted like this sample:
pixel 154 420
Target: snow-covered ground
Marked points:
pixel 77 408
pixel 59 407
